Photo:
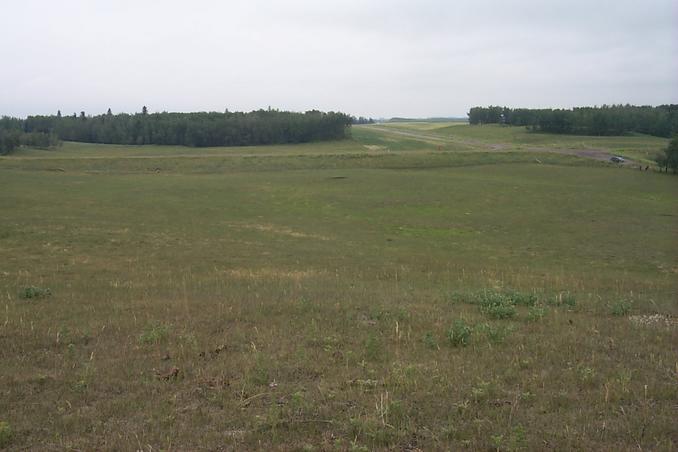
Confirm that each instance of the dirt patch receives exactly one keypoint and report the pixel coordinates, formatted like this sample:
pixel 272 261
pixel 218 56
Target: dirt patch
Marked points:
pixel 374 147
pixel 417 136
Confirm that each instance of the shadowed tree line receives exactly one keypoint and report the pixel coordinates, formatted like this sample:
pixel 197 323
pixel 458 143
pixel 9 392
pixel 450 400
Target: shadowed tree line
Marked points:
pixel 13 135
pixel 187 129
pixel 362 120
pixel 661 121
pixel 669 159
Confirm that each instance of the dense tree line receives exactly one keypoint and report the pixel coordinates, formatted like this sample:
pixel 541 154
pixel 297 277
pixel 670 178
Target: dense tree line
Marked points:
pixel 660 121
pixel 189 129
pixel 669 159
pixel 13 135
pixel 362 120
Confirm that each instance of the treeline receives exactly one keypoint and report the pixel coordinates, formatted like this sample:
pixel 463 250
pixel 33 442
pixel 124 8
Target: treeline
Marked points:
pixel 188 129
pixel 661 121
pixel 362 120
pixel 13 135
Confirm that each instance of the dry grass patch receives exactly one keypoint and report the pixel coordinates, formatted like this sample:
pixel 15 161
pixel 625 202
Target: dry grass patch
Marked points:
pixel 280 230
pixel 267 274
pixel 654 320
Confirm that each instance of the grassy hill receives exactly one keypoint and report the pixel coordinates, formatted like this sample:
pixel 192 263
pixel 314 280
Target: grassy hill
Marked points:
pixel 423 285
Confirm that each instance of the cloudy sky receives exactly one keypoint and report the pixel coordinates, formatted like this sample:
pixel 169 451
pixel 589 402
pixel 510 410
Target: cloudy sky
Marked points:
pixel 373 58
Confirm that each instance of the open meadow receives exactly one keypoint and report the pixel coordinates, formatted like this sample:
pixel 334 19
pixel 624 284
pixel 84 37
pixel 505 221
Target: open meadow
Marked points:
pixel 419 286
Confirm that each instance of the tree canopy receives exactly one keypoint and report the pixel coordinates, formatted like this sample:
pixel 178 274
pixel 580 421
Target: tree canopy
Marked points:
pixel 189 129
pixel 669 159
pixel 660 121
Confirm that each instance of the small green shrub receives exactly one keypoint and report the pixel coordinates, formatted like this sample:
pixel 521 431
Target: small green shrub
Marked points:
pixel 522 299
pixel 497 442
pixel 498 334
pixel 483 390
pixel 621 308
pixel 430 341
pixel 459 333
pixel 31 292
pixel 497 305
pixel 567 299
pixel 373 348
pixel 518 438
pixel 494 333
pixel 154 334
pixel 5 434
pixel 586 375
pixel 500 311
pixel 536 313
pixel 401 314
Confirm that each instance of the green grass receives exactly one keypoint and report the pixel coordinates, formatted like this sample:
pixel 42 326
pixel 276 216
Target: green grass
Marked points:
pixel 639 147
pixel 520 135
pixel 312 297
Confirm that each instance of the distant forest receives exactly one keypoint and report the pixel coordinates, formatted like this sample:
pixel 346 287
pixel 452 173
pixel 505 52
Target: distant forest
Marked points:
pixel 187 129
pixel 661 121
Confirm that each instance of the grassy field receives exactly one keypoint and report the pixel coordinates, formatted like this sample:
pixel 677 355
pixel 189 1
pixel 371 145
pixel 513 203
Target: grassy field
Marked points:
pixel 420 286
pixel 458 136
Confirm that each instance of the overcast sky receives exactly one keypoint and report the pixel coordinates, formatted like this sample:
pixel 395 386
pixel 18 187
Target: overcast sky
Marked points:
pixel 373 58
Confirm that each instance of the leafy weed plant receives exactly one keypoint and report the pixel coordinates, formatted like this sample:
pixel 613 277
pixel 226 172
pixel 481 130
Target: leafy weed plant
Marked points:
pixel 154 334
pixel 430 341
pixel 536 313
pixel 497 305
pixel 566 299
pixel 522 298
pixel 621 308
pixel 498 334
pixel 459 334
pixel 5 434
pixel 373 348
pixel 32 292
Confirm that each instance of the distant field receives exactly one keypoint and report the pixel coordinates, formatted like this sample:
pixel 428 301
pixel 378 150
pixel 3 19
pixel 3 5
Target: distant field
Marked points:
pixel 461 136
pixel 421 286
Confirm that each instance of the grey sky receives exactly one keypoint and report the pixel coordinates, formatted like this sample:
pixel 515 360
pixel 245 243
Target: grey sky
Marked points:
pixel 372 58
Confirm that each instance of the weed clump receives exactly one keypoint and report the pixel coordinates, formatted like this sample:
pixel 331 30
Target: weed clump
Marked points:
pixel 515 440
pixel 154 334
pixel 566 299
pixel 621 308
pixel 5 434
pixel 459 334
pixel 373 348
pixel 536 313
pixel 33 292
pixel 495 334
pixel 522 298
pixel 430 341
pixel 497 305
